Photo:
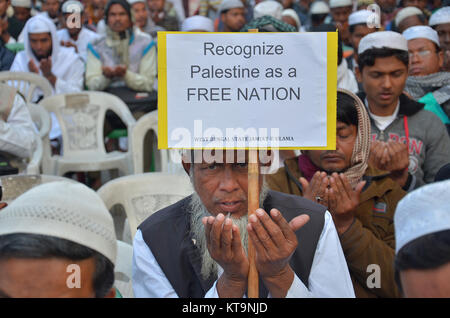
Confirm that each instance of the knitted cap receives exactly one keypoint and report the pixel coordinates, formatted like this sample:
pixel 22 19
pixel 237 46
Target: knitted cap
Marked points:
pixel 230 4
pixel 360 17
pixel 405 13
pixel 21 3
pixel 270 7
pixel 197 22
pixel 421 32
pixel 384 39
pixel 422 212
pixel 291 13
pixel 319 7
pixel 441 16
pixel 66 210
pixel 340 3
pixel 72 6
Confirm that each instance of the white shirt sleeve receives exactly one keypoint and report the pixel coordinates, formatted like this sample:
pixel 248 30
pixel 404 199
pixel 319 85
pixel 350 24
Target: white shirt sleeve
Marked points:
pixel 18 134
pixel 329 276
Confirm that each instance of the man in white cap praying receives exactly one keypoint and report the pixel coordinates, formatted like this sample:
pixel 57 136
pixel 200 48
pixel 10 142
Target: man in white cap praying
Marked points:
pixel 340 11
pixel 426 83
pixel 440 21
pixel 43 55
pixel 408 141
pixel 57 240
pixel 318 13
pixel 360 23
pixel 74 34
pixel 197 23
pixel 232 15
pixel 408 17
pixel 422 234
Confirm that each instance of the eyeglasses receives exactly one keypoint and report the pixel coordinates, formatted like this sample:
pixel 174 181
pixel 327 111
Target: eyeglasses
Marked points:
pixel 420 54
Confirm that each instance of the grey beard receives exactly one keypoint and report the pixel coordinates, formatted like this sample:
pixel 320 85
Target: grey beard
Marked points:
pixel 197 210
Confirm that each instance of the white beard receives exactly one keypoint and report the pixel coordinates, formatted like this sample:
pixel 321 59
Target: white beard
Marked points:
pixel 198 210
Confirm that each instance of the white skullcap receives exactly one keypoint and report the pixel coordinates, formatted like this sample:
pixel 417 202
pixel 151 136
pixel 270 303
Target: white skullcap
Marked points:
pixel 21 3
pixel 39 24
pixel 131 2
pixel 378 40
pixel 230 4
pixel 319 7
pixel 421 32
pixel 291 13
pixel 360 17
pixel 441 16
pixel 66 210
pixel 421 212
pixel 72 6
pixel 197 22
pixel 340 3
pixel 271 8
pixel 405 13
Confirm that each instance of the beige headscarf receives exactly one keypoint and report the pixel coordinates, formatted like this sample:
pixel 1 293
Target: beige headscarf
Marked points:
pixel 361 149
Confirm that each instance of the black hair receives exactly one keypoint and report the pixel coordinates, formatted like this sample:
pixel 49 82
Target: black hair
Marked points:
pixel 351 28
pixel 443 173
pixel 426 252
pixel 123 3
pixel 346 109
pixel 318 18
pixel 37 246
pixel 368 57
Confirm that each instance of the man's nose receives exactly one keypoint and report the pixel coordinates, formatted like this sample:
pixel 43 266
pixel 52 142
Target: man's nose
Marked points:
pixel 228 182
pixel 386 82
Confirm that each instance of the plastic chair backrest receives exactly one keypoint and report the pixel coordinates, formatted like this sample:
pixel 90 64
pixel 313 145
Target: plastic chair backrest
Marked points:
pixel 143 194
pixel 81 117
pixel 28 84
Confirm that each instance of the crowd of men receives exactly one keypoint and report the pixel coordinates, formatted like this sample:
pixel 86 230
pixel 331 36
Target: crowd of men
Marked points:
pixel 369 219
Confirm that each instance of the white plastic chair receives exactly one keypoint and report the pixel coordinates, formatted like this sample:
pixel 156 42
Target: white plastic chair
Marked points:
pixel 28 84
pixel 15 185
pixel 41 119
pixel 122 269
pixel 148 122
pixel 81 118
pixel 143 194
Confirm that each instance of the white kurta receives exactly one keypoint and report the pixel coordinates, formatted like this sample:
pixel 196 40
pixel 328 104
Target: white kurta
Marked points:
pixel 329 276
pixel 67 66
pixel 18 134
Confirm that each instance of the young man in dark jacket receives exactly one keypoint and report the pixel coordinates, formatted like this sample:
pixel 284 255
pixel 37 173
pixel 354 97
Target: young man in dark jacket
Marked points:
pixel 407 141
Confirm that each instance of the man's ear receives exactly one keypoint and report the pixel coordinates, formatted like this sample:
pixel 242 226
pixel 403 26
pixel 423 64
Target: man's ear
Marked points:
pixel 186 166
pixel 441 58
pixel 358 74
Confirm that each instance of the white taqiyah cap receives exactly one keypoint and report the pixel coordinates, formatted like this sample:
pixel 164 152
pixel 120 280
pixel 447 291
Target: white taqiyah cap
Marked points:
pixel 39 24
pixel 197 23
pixel 72 6
pixel 131 2
pixel 21 3
pixel 441 16
pixel 66 210
pixel 271 8
pixel 340 3
pixel 421 32
pixel 421 212
pixel 230 4
pixel 319 7
pixel 360 17
pixel 405 13
pixel 291 13
pixel 387 39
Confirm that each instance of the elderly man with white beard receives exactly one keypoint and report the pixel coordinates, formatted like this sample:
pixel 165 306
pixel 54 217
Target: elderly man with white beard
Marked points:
pixel 197 247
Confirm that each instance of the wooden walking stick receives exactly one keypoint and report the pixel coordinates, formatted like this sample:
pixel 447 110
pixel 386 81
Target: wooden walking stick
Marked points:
pixel 253 204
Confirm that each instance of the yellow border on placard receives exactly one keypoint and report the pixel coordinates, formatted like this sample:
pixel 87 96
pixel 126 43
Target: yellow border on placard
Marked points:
pixel 332 46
